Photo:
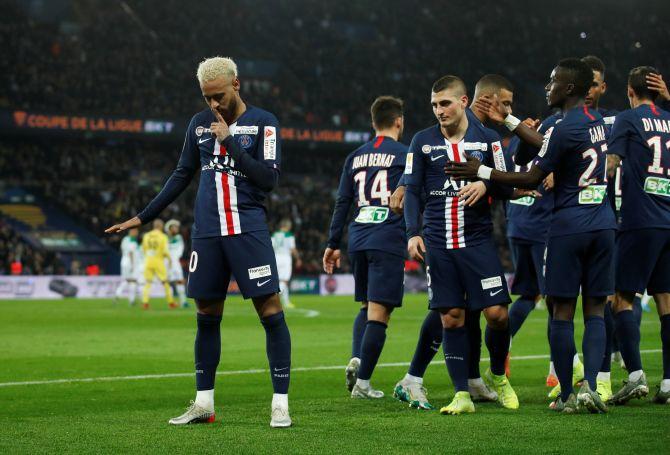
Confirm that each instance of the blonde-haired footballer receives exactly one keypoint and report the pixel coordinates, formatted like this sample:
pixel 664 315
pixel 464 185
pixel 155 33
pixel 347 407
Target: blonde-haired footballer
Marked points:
pixel 155 248
pixel 236 148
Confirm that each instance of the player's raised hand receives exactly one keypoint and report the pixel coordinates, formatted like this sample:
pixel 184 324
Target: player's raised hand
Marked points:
pixel 655 82
pixel 131 223
pixel 220 127
pixel 463 171
pixel 331 259
pixel 471 193
pixel 398 200
pixel 416 248
pixel 492 108
pixel 533 124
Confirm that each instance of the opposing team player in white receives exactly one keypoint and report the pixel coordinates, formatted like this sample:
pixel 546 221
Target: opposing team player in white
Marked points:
pixel 130 264
pixel 283 242
pixel 176 249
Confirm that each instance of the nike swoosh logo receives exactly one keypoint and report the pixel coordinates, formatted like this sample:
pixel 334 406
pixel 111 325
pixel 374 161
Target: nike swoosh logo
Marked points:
pixel 259 283
pixel 491 293
pixel 280 369
pixel 435 158
pixel 200 141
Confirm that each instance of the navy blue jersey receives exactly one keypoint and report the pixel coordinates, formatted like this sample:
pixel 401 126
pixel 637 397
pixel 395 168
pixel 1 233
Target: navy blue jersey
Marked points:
pixel 641 137
pixel 370 174
pixel 529 218
pixel 446 222
pixel 227 203
pixel 574 150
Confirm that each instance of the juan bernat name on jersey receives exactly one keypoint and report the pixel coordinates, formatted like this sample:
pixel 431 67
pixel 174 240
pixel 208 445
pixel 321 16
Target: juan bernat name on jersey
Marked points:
pixel 373 160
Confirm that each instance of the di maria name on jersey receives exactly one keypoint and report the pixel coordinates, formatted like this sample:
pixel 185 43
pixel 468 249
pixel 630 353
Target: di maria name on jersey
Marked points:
pixel 369 175
pixel 446 222
pixel 641 137
pixel 227 203
pixel 575 151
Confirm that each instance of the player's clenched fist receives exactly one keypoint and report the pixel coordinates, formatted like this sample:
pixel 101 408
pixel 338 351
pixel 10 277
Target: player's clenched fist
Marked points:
pixel 331 259
pixel 416 248
pixel 220 127
pixel 398 200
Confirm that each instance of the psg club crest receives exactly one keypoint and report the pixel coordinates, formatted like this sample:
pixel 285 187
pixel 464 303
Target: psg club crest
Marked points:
pixel 245 141
pixel 477 154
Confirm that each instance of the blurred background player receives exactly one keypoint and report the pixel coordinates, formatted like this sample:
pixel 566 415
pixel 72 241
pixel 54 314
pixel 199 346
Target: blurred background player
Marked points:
pixel 130 265
pixel 283 243
pixel 176 249
pixel 640 139
pixel 155 250
pixel 376 239
pixel 237 148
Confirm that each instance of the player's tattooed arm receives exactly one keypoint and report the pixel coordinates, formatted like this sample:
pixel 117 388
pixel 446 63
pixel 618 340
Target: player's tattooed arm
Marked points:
pixel 495 111
pixel 613 162
pixel 473 169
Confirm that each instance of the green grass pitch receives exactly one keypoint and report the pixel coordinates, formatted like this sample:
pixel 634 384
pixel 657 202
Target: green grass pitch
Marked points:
pixel 73 339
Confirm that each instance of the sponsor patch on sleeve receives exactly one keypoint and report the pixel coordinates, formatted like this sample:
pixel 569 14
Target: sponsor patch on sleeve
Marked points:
pixel 408 163
pixel 259 272
pixel 492 282
pixel 498 157
pixel 270 143
pixel 545 143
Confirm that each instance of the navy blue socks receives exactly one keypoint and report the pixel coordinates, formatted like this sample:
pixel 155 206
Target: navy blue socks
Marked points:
pixel 371 349
pixel 207 350
pixel 563 349
pixel 519 311
pixel 628 336
pixel 278 347
pixel 430 339
pixel 359 330
pixel 593 348
pixel 456 346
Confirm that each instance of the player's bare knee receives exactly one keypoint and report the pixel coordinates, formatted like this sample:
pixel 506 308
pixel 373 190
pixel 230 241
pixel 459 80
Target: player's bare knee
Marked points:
pixel 211 307
pixel 379 312
pixel 453 318
pixel 662 303
pixel 563 308
pixel 497 317
pixel 623 301
pixel 267 305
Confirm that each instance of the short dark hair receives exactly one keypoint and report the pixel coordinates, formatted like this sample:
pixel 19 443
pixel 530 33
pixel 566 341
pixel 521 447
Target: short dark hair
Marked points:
pixel 493 82
pixel 384 111
pixel 580 74
pixel 637 80
pixel 595 64
pixel 449 81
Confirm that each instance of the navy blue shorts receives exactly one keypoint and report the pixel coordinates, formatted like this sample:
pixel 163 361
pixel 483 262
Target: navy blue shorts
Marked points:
pixel 643 261
pixel 248 257
pixel 379 277
pixel 528 267
pixel 583 260
pixel 470 277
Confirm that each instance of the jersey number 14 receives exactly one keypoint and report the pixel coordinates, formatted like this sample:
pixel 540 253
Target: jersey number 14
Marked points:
pixel 379 189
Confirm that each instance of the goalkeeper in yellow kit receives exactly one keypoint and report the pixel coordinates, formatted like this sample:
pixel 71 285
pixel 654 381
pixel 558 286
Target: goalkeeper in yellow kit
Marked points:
pixel 155 249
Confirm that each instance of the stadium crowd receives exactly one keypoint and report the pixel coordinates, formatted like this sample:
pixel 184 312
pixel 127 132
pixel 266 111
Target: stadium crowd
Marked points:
pixel 85 60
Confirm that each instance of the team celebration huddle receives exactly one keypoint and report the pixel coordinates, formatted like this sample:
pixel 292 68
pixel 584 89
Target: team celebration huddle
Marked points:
pixel 587 198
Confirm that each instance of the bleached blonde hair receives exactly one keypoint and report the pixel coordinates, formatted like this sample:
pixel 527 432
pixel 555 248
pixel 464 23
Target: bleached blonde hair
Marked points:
pixel 213 67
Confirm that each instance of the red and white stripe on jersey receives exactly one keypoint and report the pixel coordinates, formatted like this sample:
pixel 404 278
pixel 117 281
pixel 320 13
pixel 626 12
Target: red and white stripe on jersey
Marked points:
pixel 454 213
pixel 226 198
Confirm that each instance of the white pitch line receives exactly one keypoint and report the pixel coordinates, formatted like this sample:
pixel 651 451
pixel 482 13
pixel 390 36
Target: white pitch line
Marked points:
pixel 252 371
